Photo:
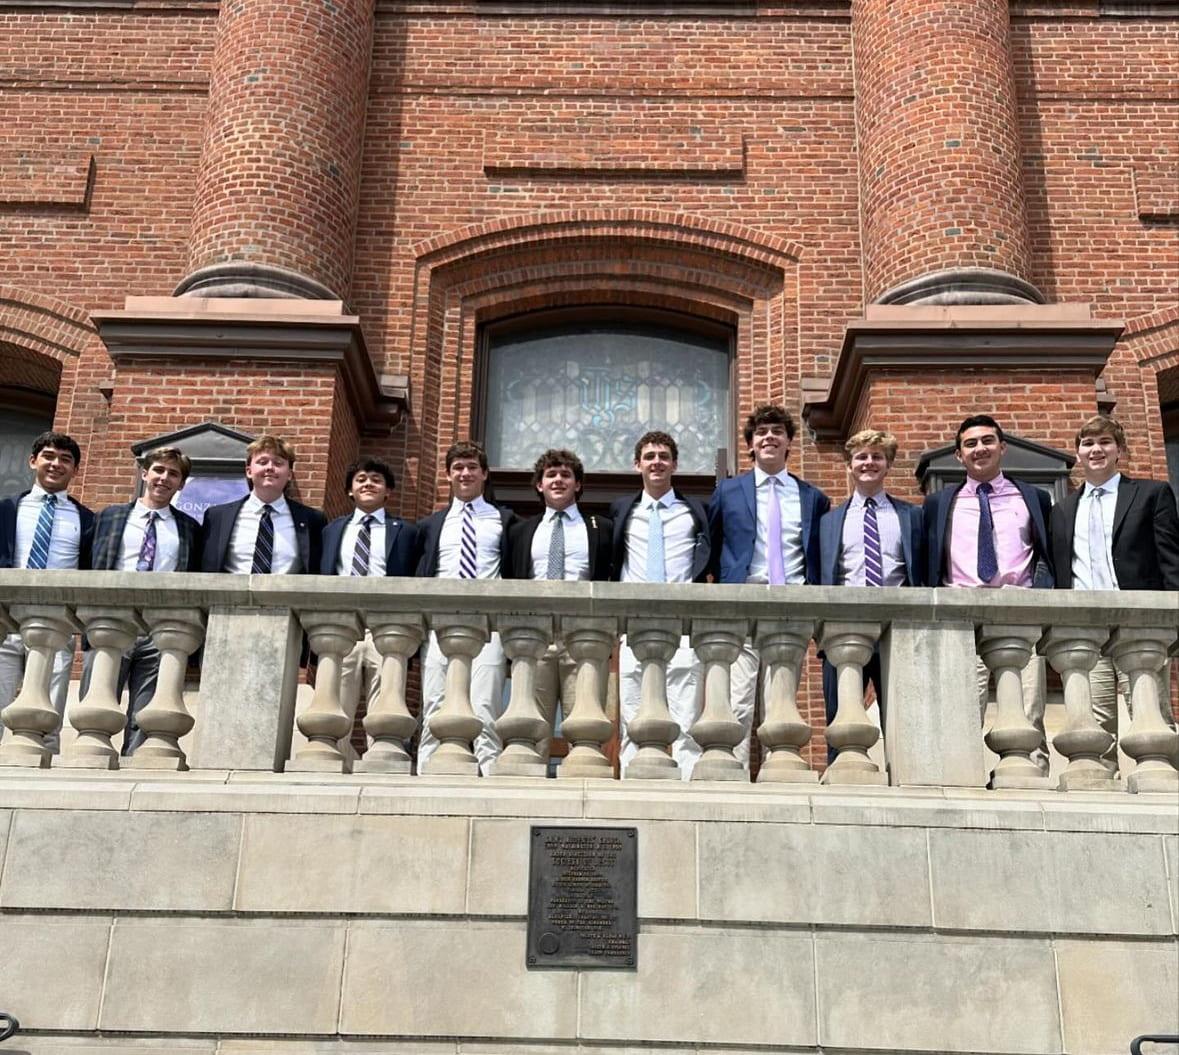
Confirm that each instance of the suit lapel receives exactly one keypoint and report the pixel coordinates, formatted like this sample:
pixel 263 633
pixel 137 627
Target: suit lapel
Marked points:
pixel 1127 490
pixel 835 527
pixel 749 490
pixel 302 534
pixel 392 527
pixel 905 513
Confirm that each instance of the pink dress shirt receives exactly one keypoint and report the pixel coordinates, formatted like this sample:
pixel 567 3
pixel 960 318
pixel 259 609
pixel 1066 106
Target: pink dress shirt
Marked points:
pixel 1013 536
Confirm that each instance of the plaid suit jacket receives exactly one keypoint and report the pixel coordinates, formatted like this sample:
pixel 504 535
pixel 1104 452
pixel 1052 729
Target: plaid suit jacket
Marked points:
pixel 108 539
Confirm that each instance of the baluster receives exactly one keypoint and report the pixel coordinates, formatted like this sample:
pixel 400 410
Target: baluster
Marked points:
pixel 455 725
pixel 653 730
pixel 718 643
pixel 1073 653
pixel 1140 653
pixel 782 645
pixel 522 727
pixel 98 715
pixel 1006 650
pixel 389 723
pixel 332 635
pixel 177 633
pixel 45 630
pixel 849 646
pixel 590 642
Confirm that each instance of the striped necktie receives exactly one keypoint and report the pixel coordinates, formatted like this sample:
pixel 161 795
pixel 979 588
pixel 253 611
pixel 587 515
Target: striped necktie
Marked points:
pixel 147 551
pixel 469 548
pixel 556 568
pixel 264 545
pixel 43 534
pixel 873 565
pixel 364 546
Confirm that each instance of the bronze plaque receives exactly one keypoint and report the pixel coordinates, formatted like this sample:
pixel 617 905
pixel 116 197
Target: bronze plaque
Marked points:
pixel 583 897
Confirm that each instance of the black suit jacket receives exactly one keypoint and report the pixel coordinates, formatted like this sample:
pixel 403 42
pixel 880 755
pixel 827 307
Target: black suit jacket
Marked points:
pixel 831 542
pixel 429 531
pixel 8 512
pixel 108 538
pixel 620 513
pixel 936 517
pixel 401 543
pixel 217 531
pixel 599 535
pixel 1145 536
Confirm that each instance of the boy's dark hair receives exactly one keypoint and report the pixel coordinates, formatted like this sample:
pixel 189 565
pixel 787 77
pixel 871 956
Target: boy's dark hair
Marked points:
pixel 768 414
pixel 369 465
pixel 466 449
pixel 167 456
pixel 657 439
pixel 59 441
pixel 977 421
pixel 558 456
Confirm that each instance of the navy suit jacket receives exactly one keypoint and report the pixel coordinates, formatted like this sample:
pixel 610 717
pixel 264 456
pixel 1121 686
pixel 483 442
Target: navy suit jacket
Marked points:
pixel 599 533
pixel 732 519
pixel 401 543
pixel 108 538
pixel 217 532
pixel 429 531
pixel 8 512
pixel 912 542
pixel 936 517
pixel 620 512
pixel 1145 536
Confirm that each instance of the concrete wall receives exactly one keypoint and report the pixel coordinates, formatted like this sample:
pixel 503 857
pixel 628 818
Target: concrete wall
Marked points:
pixel 189 913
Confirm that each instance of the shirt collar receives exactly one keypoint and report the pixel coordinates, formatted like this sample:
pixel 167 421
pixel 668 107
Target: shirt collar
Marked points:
pixel 666 501
pixel 480 505
pixel 378 515
pixel 858 500
pixel 279 505
pixel 1110 487
pixel 572 514
pixel 37 491
pixel 760 476
pixel 998 484
pixel 142 509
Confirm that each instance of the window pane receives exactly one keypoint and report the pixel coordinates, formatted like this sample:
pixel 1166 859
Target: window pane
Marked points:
pixel 596 389
pixel 18 429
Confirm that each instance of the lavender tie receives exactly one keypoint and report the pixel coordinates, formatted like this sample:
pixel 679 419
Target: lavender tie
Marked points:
pixel 147 551
pixel 776 563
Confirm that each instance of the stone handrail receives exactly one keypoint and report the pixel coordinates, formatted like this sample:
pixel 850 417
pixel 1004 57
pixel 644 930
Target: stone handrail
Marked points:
pixel 252 629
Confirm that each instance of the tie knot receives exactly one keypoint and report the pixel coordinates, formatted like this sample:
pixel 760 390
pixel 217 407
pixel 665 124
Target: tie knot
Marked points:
pixel 558 515
pixel 1098 492
pixel 870 503
pixel 368 520
pixel 50 498
pixel 985 489
pixel 152 515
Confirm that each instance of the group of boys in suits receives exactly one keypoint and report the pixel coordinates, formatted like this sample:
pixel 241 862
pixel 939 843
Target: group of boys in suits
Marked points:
pixel 765 526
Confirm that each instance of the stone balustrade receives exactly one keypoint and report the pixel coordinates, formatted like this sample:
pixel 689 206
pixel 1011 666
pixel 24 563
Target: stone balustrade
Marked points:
pixel 252 632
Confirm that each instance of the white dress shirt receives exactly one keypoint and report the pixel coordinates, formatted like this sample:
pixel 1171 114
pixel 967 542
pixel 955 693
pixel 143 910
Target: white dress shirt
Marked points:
pixel 167 539
pixel 790 504
pixel 489 533
pixel 376 557
pixel 245 536
pixel 576 545
pixel 892 553
pixel 679 538
pixel 65 544
pixel 1082 570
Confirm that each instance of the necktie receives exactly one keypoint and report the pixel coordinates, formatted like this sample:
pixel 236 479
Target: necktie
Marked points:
pixel 1098 562
pixel 364 545
pixel 656 560
pixel 147 551
pixel 468 549
pixel 775 562
pixel 873 565
pixel 264 545
pixel 988 559
pixel 556 568
pixel 43 534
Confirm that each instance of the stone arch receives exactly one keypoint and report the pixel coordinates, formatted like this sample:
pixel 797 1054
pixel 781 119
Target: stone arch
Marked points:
pixel 42 324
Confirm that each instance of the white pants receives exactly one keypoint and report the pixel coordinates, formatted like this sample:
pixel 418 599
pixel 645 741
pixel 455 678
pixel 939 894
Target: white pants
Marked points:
pixel 1035 690
pixel 12 668
pixel 685 701
pixel 488 674
pixel 743 684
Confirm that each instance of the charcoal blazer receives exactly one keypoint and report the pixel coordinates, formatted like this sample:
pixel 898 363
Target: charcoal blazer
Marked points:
pixel 8 513
pixel 401 543
pixel 912 542
pixel 108 538
pixel 429 532
pixel 732 519
pixel 620 513
pixel 599 536
pixel 936 518
pixel 217 532
pixel 1145 536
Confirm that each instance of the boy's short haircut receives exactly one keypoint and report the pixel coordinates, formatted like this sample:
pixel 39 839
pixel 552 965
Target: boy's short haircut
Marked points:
pixel 871 438
pixel 655 438
pixel 466 449
pixel 368 465
pixel 59 441
pixel 768 414
pixel 275 445
pixel 558 457
pixel 1102 425
pixel 978 421
pixel 167 456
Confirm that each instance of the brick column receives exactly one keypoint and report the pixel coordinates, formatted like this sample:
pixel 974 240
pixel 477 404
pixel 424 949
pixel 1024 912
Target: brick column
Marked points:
pixel 276 196
pixel 942 201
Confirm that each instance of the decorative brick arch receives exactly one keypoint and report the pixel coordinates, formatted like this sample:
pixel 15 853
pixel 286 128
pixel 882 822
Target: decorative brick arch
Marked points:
pixel 44 325
pixel 645 258
pixel 1152 342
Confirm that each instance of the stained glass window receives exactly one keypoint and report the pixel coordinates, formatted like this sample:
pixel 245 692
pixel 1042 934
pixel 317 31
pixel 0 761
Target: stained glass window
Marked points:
pixel 596 388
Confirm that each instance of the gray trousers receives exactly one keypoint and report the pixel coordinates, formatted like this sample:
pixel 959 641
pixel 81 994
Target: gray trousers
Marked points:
pixel 137 675
pixel 12 669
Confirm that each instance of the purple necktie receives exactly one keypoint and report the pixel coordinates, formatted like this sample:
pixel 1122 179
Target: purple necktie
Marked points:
pixel 147 551
pixel 776 564
pixel 873 565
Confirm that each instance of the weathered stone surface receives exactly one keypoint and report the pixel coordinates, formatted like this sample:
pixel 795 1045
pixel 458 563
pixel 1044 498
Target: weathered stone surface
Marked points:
pixel 925 807
pixel 223 976
pixel 1171 850
pixel 938 994
pixel 1065 882
pixel 685 986
pixel 242 797
pixel 61 793
pixel 428 979
pixel 115 860
pixel 1116 812
pixel 1111 992
pixel 800 873
pixel 353 864
pixel 685 802
pixel 51 970
pixel 494 798
pixel 123 1046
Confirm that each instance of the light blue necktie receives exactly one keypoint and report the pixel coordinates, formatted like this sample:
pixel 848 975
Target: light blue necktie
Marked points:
pixel 43 535
pixel 656 562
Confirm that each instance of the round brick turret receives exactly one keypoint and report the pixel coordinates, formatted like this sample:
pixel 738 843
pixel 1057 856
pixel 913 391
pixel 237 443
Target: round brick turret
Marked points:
pixel 941 193
pixel 276 196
